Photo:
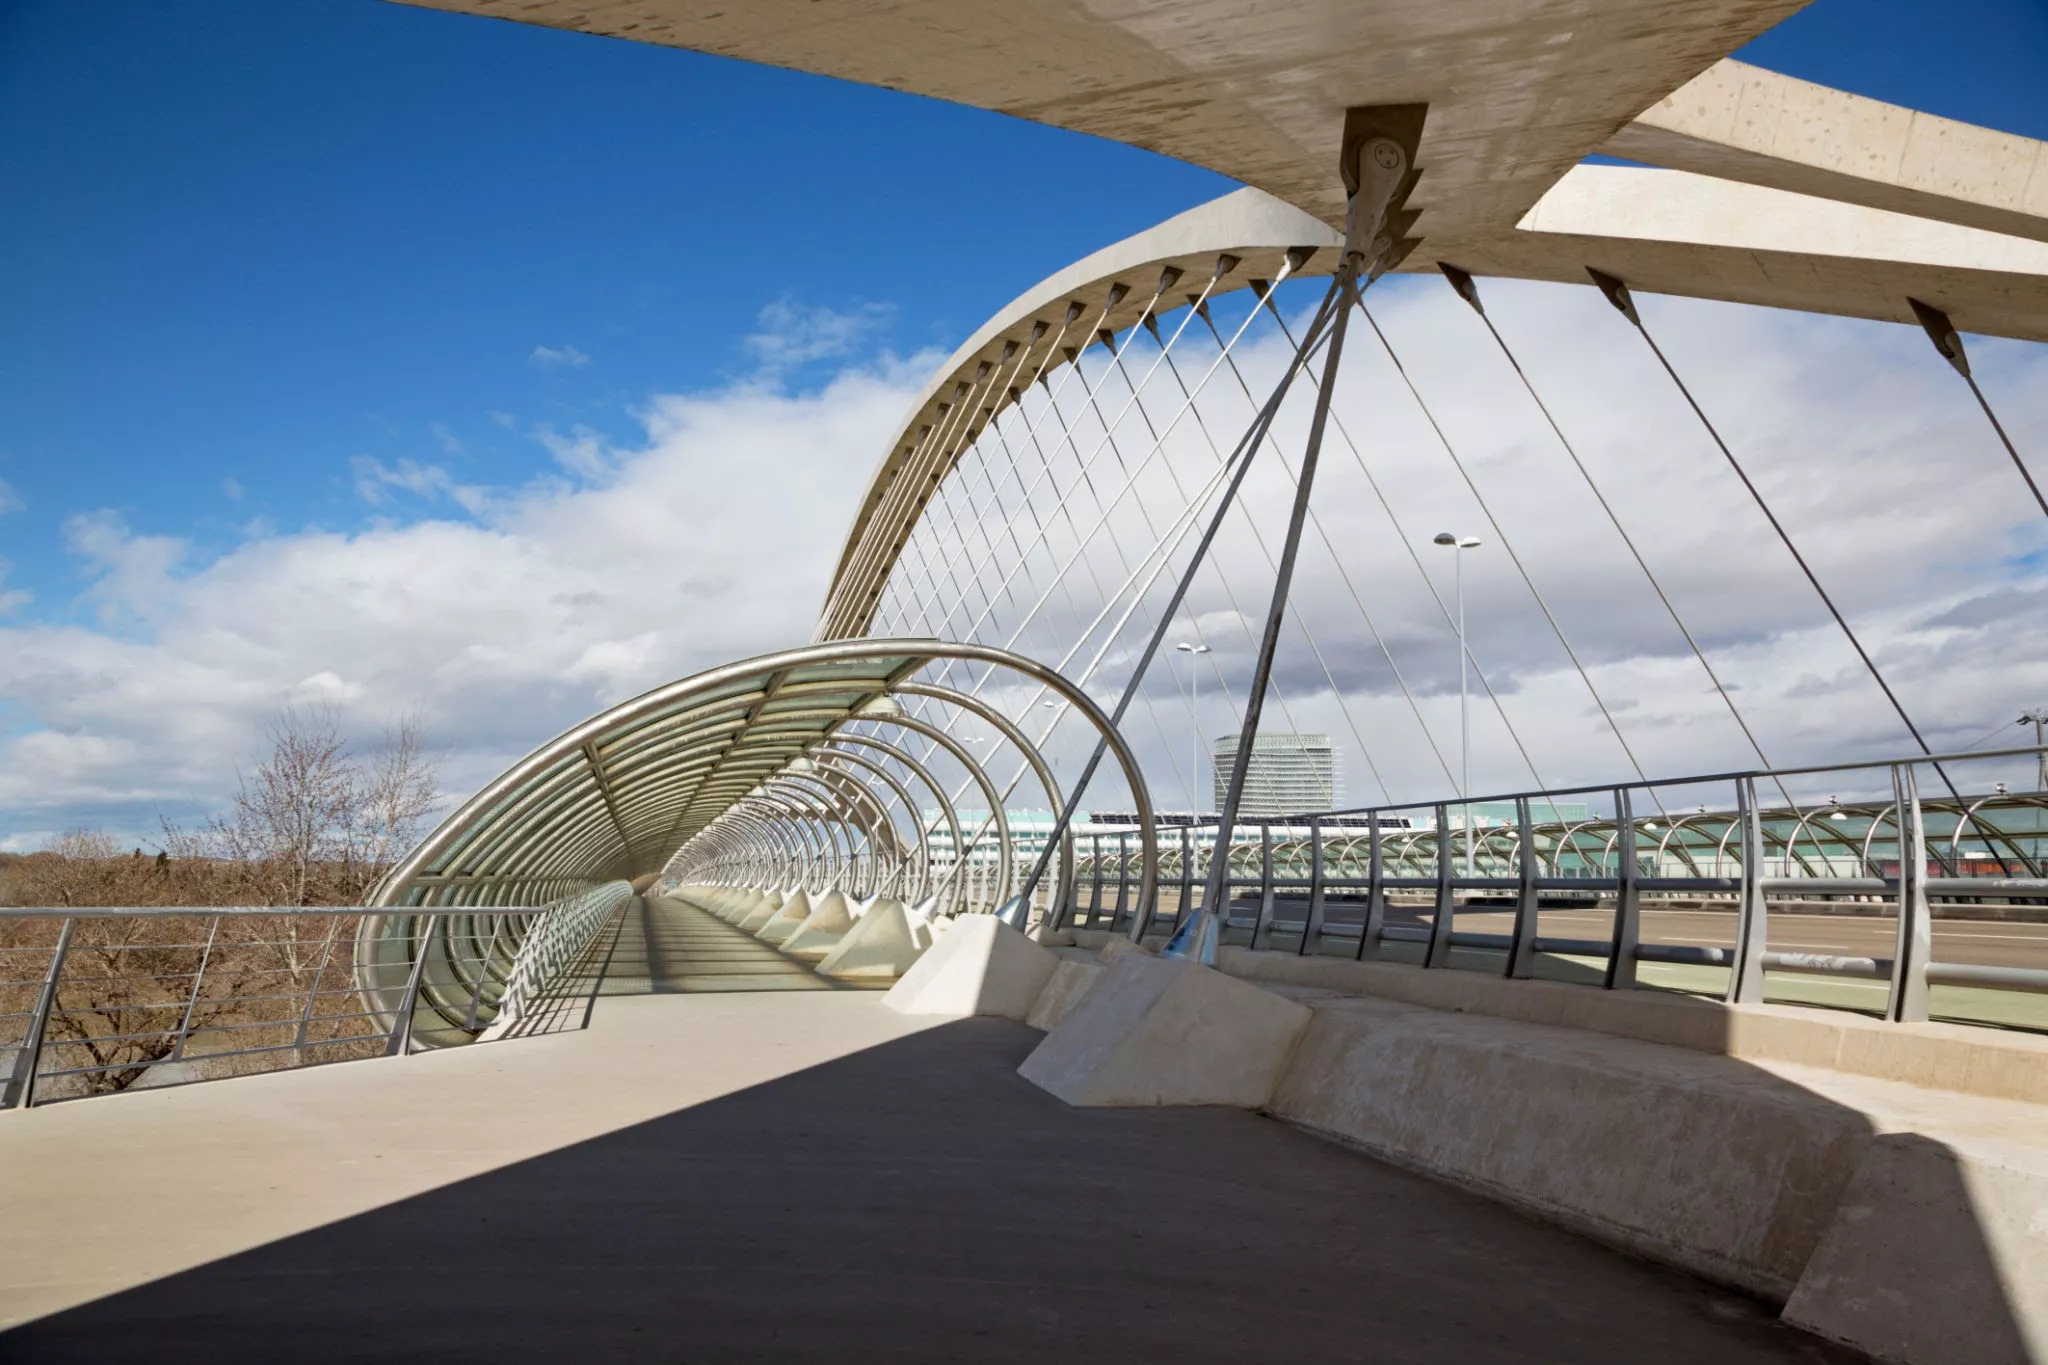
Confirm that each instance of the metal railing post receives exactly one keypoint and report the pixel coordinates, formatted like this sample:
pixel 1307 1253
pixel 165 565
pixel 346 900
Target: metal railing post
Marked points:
pixel 192 1000
pixel 1123 883
pixel 1907 1001
pixel 1522 953
pixel 401 1027
pixel 1369 932
pixel 1312 922
pixel 1746 973
pixel 1187 876
pixel 21 1088
pixel 1439 953
pixel 1095 896
pixel 1262 926
pixel 1628 897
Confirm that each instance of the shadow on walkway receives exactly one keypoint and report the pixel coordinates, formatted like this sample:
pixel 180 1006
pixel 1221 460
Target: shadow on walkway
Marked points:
pixel 921 1202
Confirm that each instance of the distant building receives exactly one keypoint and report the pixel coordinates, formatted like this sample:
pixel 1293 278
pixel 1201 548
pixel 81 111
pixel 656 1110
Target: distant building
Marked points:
pixel 1289 773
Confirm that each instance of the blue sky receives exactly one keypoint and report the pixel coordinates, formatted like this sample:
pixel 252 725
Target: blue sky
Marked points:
pixel 247 241
pixel 285 270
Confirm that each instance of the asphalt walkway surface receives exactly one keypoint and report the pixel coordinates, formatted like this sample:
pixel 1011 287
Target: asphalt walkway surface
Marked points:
pixel 910 1199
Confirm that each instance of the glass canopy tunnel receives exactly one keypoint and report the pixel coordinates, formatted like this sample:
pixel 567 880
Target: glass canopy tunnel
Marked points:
pixel 803 769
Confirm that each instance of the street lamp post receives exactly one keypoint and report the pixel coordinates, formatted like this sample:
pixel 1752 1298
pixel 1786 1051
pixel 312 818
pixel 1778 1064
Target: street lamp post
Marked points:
pixel 1461 544
pixel 2038 718
pixel 1195 708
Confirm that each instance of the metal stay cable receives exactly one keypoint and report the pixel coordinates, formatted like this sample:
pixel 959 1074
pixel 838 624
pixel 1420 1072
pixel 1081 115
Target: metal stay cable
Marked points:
pixel 1407 543
pixel 1949 344
pixel 1166 462
pixel 1245 458
pixel 1617 294
pixel 1357 599
pixel 1468 290
pixel 1237 468
pixel 1125 490
pixel 1301 620
pixel 1487 511
pixel 1226 477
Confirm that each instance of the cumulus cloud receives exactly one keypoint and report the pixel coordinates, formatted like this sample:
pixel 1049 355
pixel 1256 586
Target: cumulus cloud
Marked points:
pixel 508 616
pixel 1865 444
pixel 508 613
pixel 558 358
pixel 790 334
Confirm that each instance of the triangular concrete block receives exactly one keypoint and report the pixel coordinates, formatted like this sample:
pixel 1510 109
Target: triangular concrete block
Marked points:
pixel 881 945
pixel 769 907
pixel 749 902
pixel 979 966
pixel 822 928
pixel 1154 1031
pixel 785 921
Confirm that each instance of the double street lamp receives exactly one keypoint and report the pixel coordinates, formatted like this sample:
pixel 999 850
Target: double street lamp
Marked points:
pixel 1461 544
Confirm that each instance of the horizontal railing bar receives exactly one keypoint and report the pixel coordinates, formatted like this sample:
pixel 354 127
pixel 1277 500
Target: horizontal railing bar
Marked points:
pixel 2023 979
pixel 215 1056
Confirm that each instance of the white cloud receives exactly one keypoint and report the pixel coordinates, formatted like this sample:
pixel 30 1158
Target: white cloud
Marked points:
pixel 790 334
pixel 1868 447
pixel 11 599
pixel 375 481
pixel 450 443
pixel 232 487
pixel 558 358
pixel 544 603
pixel 711 533
pixel 10 501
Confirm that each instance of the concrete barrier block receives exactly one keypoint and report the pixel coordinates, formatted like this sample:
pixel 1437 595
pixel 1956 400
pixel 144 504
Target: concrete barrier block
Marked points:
pixel 1070 980
pixel 978 966
pixel 1936 1256
pixel 822 929
pixel 880 946
pixel 1698 1161
pixel 769 907
pixel 786 921
pixel 1157 1031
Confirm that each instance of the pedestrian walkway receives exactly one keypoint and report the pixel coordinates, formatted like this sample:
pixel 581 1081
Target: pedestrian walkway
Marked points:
pixel 670 947
pixel 778 1177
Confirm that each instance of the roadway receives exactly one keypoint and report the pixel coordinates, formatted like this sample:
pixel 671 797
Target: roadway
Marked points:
pixel 2005 943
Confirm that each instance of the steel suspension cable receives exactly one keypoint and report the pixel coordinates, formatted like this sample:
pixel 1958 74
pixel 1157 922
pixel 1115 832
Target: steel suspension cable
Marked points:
pixel 1249 447
pixel 1617 294
pixel 1948 343
pixel 1300 620
pixel 1357 600
pixel 1402 538
pixel 1468 290
pixel 1487 511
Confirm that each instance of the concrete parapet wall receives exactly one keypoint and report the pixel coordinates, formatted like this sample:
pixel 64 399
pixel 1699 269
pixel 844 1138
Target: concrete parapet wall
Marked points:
pixel 1886 1184
pixel 1695 1161
pixel 1974 1061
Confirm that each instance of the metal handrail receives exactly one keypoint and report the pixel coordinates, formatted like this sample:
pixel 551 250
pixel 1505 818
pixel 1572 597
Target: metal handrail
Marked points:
pixel 425 977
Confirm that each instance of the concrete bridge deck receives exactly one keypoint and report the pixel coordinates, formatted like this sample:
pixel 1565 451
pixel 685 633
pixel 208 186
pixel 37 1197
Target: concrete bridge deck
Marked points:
pixel 776 1175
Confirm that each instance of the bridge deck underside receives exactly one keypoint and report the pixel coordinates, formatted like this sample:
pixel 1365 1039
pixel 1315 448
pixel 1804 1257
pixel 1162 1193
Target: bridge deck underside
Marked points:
pixel 778 1176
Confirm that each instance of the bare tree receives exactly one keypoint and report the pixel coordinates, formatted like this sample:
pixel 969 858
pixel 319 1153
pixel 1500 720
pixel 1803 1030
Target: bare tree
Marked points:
pixel 312 825
pixel 395 792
